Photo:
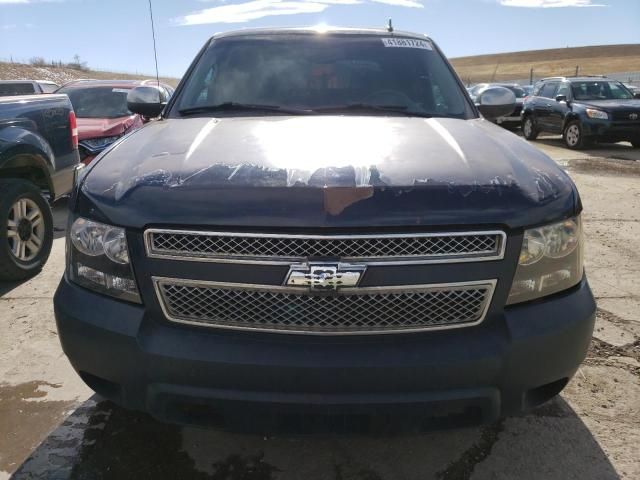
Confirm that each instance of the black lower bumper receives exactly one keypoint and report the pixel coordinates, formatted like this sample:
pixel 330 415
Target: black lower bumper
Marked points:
pixel 505 365
pixel 613 131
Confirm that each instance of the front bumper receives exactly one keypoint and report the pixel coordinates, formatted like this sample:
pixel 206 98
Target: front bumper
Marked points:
pixel 612 131
pixel 511 362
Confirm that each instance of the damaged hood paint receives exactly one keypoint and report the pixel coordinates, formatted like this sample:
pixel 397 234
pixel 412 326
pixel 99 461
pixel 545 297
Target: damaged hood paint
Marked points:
pixel 319 171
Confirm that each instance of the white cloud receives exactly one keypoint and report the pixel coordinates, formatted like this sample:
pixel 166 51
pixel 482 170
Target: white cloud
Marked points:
pixel 549 3
pixel 401 3
pixel 24 2
pixel 255 9
pixel 245 12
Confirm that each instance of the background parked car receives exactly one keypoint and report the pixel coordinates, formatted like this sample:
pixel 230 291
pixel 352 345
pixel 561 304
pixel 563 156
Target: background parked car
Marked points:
pixel 38 157
pixel 583 110
pixel 101 109
pixel 635 89
pixel 512 120
pixel 26 87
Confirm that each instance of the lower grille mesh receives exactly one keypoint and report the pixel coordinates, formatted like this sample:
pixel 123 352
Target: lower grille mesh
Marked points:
pixel 361 311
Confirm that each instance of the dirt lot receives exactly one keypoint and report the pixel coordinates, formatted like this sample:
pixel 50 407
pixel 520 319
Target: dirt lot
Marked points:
pixel 51 426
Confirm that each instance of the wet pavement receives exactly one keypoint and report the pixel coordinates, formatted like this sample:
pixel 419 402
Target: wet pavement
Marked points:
pixel 52 426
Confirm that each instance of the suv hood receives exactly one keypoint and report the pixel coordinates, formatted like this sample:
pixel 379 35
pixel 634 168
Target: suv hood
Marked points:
pixel 318 171
pixel 612 105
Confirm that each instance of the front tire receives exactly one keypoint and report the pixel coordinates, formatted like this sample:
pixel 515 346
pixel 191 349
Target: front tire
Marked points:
pixel 26 230
pixel 573 136
pixel 529 129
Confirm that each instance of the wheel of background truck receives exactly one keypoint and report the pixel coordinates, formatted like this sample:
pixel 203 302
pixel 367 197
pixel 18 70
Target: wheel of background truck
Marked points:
pixel 529 129
pixel 573 137
pixel 26 230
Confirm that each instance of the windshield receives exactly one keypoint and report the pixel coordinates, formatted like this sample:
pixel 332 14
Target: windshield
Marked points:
pixel 308 72
pixel 599 90
pixel 98 102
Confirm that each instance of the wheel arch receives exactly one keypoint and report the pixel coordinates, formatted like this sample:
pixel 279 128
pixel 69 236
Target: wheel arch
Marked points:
pixel 570 117
pixel 27 162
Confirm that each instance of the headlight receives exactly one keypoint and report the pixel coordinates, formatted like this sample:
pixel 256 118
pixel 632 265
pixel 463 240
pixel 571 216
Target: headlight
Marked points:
pixel 98 259
pixel 594 113
pixel 99 143
pixel 550 261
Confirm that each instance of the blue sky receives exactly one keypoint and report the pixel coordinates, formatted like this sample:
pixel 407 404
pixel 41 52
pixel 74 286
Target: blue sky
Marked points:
pixel 115 34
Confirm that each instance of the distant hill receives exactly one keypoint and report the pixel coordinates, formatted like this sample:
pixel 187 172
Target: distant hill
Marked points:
pixel 595 60
pixel 60 75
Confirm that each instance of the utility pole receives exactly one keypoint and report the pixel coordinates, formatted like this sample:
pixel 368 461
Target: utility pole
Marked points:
pixel 577 69
pixel 531 76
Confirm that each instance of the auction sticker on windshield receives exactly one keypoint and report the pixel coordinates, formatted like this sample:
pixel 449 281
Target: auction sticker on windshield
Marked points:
pixel 406 43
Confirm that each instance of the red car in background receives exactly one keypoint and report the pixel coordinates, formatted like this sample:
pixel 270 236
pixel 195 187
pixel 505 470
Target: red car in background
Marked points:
pixel 101 112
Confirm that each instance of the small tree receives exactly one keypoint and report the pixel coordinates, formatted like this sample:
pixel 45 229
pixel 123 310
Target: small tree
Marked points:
pixel 77 63
pixel 37 61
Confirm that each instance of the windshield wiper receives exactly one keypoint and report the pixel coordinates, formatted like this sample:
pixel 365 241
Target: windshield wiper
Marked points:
pixel 364 107
pixel 239 107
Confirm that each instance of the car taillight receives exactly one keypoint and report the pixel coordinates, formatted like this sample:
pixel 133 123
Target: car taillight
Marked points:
pixel 73 125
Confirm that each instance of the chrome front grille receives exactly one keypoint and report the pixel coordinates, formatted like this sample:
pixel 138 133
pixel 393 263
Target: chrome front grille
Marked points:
pixel 275 248
pixel 351 311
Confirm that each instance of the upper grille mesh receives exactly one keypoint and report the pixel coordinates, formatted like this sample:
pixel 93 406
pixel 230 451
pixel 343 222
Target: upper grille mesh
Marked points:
pixel 623 116
pixel 355 312
pixel 215 245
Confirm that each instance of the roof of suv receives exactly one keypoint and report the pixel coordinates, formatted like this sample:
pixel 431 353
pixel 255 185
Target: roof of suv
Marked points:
pixel 319 30
pixel 106 83
pixel 583 78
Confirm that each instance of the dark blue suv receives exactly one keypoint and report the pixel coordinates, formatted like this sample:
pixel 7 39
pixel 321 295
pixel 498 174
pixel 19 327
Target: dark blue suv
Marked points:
pixel 583 110
pixel 323 223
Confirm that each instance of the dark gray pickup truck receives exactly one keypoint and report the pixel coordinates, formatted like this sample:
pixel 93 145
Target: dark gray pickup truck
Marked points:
pixel 323 222
pixel 38 157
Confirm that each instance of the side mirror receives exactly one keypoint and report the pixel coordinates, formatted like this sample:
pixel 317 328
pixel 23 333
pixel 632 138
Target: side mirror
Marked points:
pixel 147 100
pixel 561 98
pixel 494 102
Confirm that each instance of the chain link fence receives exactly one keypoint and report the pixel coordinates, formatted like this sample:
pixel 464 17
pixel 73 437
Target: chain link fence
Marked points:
pixel 632 78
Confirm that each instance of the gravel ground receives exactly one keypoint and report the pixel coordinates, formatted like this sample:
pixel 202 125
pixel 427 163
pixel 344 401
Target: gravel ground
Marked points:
pixel 52 426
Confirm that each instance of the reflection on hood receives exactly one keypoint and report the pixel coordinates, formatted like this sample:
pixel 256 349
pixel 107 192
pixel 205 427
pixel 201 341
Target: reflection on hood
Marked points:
pixel 205 160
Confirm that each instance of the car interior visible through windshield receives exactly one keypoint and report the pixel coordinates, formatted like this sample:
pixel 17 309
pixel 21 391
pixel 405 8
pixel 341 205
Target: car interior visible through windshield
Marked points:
pixel 310 73
pixel 591 90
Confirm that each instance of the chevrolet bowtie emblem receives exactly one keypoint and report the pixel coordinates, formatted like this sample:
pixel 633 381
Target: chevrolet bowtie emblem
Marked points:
pixel 324 276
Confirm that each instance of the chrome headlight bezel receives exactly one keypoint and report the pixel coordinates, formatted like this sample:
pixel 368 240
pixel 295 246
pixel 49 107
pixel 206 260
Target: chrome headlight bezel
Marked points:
pixel 550 260
pixel 597 114
pixel 98 259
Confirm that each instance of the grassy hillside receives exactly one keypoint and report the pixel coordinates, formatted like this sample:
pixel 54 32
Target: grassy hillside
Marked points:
pixel 558 61
pixel 60 75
